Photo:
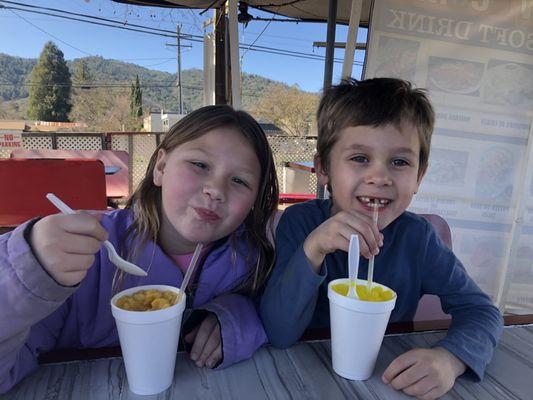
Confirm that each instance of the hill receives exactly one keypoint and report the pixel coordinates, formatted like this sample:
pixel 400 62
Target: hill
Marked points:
pixel 158 87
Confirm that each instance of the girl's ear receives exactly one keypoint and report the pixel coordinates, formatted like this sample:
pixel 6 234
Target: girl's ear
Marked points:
pixel 160 167
pixel 321 174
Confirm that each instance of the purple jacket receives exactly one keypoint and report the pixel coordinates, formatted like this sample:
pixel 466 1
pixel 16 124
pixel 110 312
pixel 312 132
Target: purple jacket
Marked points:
pixel 38 315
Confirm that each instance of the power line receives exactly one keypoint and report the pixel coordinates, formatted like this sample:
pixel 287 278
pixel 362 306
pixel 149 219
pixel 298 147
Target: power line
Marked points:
pixel 209 6
pixel 86 16
pixel 82 51
pixel 257 38
pixel 49 34
pixel 111 86
pixel 288 3
pixel 91 85
pixel 143 58
pixel 190 37
pixel 159 63
pixel 89 22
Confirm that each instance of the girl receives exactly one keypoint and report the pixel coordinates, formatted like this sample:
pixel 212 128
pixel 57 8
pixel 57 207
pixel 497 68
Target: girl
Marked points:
pixel 212 181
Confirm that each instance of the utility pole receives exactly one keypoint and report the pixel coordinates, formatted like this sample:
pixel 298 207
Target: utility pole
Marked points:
pixel 178 48
pixel 328 69
pixel 209 63
pixel 220 55
pixel 180 90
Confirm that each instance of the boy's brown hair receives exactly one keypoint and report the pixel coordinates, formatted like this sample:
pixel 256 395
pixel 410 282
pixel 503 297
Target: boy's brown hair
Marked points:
pixel 373 102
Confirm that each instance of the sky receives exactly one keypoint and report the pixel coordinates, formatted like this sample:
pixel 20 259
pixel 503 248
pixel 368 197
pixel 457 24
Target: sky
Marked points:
pixel 24 34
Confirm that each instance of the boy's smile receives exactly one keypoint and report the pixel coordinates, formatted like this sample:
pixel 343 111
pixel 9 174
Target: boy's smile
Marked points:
pixel 373 167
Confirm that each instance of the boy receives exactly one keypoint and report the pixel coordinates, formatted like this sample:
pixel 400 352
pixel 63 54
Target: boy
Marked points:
pixel 373 146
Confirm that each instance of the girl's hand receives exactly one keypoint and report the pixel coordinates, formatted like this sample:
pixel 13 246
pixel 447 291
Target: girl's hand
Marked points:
pixel 207 347
pixel 334 234
pixel 65 245
pixel 424 373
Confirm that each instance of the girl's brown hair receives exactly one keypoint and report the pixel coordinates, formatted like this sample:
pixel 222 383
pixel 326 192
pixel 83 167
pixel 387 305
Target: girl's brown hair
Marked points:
pixel 146 200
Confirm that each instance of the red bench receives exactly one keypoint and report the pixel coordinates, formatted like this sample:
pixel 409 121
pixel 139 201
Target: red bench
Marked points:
pixel 25 182
pixel 117 183
pixel 291 198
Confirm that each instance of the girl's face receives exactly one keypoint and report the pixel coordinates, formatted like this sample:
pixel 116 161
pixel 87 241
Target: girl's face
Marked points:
pixel 208 186
pixel 370 164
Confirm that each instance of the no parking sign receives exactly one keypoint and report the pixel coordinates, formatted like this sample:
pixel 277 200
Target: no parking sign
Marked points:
pixel 12 140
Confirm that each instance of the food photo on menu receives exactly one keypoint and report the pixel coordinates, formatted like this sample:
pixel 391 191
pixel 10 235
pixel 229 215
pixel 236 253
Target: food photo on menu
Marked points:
pixel 448 167
pixel 455 76
pixel 495 174
pixel 508 83
pixel 396 58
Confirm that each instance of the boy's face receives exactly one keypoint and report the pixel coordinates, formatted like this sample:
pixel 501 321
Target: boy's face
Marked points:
pixel 373 163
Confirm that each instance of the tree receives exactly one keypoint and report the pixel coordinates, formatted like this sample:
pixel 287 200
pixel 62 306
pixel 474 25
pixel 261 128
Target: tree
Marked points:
pixel 14 109
pixel 89 105
pixel 287 107
pixel 136 108
pixel 82 77
pixel 103 110
pixel 50 91
pixel 84 101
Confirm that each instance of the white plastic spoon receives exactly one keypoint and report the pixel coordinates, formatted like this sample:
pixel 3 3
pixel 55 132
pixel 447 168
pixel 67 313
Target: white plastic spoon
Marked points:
pixel 122 264
pixel 353 265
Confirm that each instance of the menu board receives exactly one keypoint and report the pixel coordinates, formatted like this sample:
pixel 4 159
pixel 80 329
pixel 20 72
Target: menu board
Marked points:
pixel 475 58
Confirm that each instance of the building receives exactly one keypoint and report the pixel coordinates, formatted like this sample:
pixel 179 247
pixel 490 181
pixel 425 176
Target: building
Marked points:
pixel 39 126
pixel 160 121
pixel 9 126
pixel 271 129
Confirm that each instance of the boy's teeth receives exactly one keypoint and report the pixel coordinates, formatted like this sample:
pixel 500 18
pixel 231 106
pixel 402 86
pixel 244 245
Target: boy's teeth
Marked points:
pixel 381 202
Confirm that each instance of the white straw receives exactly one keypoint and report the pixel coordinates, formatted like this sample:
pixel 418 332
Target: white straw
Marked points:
pixel 192 266
pixel 371 261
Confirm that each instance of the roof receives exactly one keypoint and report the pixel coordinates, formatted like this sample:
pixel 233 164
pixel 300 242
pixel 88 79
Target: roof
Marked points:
pixel 270 128
pixel 52 126
pixel 13 125
pixel 306 10
pixel 164 113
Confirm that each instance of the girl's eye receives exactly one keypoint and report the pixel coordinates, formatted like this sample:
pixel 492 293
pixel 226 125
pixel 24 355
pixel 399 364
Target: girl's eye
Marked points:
pixel 199 164
pixel 399 163
pixel 239 181
pixel 359 159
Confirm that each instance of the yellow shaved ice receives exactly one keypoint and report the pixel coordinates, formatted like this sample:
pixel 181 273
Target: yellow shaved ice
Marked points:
pixel 376 294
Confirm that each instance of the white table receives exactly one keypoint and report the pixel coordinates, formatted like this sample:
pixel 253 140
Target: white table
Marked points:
pixel 301 372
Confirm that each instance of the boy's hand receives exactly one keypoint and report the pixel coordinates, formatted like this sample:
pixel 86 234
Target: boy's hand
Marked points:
pixel 207 347
pixel 65 245
pixel 424 373
pixel 334 234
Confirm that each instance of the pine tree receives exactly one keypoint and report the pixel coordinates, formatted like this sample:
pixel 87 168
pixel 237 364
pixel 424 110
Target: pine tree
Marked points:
pixel 87 104
pixel 50 91
pixel 82 76
pixel 136 98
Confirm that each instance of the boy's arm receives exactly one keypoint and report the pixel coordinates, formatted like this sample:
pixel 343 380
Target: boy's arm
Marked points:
pixel 476 323
pixel 288 303
pixel 28 295
pixel 241 329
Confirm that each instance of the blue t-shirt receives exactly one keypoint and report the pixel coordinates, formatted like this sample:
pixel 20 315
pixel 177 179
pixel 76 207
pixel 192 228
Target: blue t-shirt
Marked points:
pixel 413 261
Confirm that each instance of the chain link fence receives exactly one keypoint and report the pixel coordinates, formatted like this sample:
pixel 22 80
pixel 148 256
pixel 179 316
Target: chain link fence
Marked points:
pixel 292 148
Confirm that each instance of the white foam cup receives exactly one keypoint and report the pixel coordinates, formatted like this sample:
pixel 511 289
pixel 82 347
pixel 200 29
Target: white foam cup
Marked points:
pixel 357 330
pixel 149 342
